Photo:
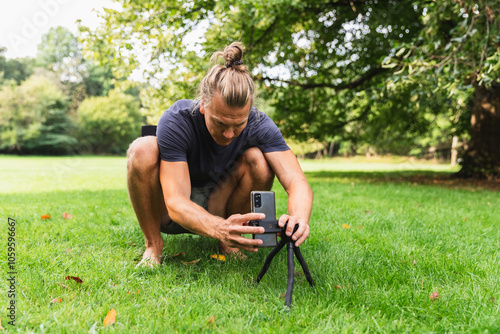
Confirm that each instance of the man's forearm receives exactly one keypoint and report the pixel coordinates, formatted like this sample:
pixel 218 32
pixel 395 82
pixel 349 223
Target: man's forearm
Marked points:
pixel 193 217
pixel 300 199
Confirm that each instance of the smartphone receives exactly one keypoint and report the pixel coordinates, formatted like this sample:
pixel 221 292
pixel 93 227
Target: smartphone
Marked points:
pixel 264 202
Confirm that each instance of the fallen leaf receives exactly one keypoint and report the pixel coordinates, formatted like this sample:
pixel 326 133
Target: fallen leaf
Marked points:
pixel 218 257
pixel 464 218
pixel 134 292
pixel 419 204
pixel 179 254
pixel 110 318
pixel 368 211
pixel 67 215
pixel 74 278
pixel 360 226
pixel 56 300
pixel 68 250
pixel 133 244
pixel 211 321
pixel 338 287
pixel 283 295
pixel 190 262
pixel 345 226
pixel 45 217
pixel 434 296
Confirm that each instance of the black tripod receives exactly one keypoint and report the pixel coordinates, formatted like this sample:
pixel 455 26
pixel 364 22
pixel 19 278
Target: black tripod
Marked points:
pixel 291 250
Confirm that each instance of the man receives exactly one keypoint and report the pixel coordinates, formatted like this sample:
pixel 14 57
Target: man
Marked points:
pixel 197 174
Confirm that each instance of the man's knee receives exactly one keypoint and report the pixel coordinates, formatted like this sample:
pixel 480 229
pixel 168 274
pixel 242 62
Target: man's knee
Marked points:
pixel 258 166
pixel 143 155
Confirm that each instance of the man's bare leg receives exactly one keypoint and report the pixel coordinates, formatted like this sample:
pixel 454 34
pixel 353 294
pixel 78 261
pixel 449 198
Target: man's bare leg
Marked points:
pixel 146 195
pixel 233 195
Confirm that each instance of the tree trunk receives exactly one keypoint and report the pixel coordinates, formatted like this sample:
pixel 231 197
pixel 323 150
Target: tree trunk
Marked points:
pixel 454 151
pixel 482 157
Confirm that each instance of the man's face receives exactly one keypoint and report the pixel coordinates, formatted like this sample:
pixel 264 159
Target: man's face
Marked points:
pixel 224 123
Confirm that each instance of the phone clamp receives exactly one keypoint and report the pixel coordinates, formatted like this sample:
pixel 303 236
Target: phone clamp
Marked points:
pixel 291 250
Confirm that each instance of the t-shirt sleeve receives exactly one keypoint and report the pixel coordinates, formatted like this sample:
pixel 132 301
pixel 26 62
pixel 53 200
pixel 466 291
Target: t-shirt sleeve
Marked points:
pixel 173 137
pixel 270 137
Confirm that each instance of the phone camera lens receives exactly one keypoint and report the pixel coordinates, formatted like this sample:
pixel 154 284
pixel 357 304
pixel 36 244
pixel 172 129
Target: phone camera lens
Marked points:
pixel 258 200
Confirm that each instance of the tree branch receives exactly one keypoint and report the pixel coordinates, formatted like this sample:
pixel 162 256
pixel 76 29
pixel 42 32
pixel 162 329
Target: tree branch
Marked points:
pixel 351 85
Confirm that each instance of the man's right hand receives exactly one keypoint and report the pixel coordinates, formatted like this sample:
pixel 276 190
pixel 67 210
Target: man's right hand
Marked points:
pixel 231 229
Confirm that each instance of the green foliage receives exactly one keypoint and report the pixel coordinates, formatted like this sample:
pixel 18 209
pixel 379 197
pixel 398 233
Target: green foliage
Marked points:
pixel 98 80
pixel 60 52
pixel 17 70
pixel 33 118
pixel 459 43
pixel 109 123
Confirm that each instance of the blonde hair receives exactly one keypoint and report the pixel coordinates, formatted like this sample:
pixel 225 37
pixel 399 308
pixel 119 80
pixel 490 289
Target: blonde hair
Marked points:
pixel 232 80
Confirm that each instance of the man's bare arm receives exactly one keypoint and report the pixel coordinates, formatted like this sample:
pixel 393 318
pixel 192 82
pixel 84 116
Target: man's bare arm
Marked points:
pixel 300 196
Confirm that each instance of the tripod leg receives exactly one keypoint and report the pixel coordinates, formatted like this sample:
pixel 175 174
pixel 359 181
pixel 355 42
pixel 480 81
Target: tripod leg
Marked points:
pixel 269 258
pixel 303 263
pixel 291 273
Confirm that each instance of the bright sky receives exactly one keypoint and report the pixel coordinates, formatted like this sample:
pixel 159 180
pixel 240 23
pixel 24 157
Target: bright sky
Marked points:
pixel 23 22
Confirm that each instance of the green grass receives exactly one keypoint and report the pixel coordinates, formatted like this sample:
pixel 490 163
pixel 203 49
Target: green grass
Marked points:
pixel 405 241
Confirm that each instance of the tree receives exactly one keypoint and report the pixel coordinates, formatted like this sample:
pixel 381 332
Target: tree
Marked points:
pixel 335 69
pixel 33 118
pixel 460 47
pixel 15 69
pixel 59 51
pixel 108 124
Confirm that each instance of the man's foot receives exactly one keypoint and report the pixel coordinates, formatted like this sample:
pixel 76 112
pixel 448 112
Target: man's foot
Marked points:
pixel 231 252
pixel 151 258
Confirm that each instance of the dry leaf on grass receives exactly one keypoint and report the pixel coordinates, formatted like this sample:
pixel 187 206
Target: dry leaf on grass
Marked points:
pixel 434 296
pixel 178 254
pixel 345 226
pixel 74 278
pixel 67 215
pixel 56 300
pixel 212 319
pixel 45 217
pixel 110 318
pixel 190 262
pixel 338 287
pixel 218 257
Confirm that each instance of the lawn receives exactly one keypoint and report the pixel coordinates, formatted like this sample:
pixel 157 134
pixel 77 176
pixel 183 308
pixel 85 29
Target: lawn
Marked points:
pixel 381 243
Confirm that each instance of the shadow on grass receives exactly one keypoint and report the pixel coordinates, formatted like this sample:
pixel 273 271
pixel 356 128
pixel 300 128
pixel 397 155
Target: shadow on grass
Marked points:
pixel 418 177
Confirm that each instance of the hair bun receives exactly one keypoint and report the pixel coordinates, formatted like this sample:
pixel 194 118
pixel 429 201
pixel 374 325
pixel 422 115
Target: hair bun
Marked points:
pixel 233 53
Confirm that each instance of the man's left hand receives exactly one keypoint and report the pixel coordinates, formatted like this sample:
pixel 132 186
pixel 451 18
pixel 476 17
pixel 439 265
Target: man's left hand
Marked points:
pixel 302 231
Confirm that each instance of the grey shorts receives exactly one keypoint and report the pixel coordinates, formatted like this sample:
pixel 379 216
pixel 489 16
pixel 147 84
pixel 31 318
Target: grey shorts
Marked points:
pixel 200 196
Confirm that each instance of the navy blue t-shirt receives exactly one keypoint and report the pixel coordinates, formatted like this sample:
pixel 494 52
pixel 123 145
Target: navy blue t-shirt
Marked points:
pixel 183 136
